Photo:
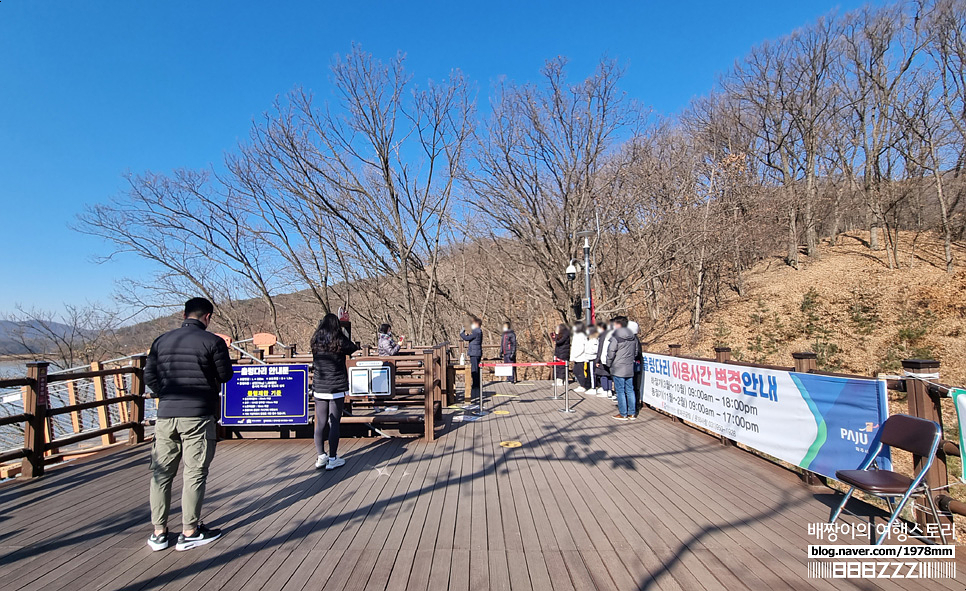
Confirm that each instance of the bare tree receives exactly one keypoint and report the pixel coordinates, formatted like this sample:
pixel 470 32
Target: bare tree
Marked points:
pixel 370 181
pixel 196 232
pixel 547 170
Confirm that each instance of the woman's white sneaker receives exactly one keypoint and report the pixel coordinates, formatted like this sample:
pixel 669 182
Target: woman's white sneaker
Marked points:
pixel 580 389
pixel 321 462
pixel 334 462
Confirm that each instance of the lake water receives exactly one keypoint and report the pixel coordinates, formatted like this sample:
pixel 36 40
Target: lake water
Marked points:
pixel 12 368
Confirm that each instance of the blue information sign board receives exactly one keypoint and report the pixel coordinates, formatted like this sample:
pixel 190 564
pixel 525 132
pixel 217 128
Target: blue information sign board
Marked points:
pixel 266 395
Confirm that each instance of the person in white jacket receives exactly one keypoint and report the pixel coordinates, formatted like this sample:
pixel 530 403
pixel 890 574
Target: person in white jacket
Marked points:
pixel 588 358
pixel 577 344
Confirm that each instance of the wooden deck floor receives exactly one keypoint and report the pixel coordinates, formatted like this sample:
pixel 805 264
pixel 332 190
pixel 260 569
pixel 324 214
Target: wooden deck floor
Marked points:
pixel 585 502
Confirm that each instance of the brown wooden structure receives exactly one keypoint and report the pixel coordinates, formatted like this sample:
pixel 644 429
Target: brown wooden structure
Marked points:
pixel 40 446
pixel 583 503
pixel 423 385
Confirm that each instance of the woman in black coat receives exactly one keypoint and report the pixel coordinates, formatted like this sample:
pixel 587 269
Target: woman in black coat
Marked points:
pixel 330 383
pixel 561 352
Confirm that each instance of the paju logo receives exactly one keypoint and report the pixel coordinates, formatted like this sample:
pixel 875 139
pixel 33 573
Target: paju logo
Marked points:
pixel 860 436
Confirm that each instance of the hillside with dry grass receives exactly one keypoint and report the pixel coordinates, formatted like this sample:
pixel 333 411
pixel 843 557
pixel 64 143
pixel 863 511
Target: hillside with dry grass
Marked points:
pixel 847 306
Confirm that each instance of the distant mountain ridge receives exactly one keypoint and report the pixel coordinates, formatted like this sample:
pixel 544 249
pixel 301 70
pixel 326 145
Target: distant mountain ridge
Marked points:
pixel 17 336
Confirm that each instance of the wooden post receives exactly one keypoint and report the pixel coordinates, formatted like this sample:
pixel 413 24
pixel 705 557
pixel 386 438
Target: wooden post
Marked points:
pixel 76 418
pixel 805 362
pixel 442 365
pixel 34 433
pixel 137 407
pixel 120 389
pixel 924 405
pixel 675 351
pixel 429 421
pixel 103 412
pixel 723 355
pixel 440 378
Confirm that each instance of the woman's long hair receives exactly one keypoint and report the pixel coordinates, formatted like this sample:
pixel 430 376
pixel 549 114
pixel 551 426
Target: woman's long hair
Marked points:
pixel 328 336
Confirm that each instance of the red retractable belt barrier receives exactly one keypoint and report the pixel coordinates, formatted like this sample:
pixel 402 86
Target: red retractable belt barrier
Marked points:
pixel 536 364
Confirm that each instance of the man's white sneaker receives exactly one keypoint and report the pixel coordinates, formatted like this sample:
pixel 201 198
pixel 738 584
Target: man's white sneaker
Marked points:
pixel 321 462
pixel 202 536
pixel 334 462
pixel 579 389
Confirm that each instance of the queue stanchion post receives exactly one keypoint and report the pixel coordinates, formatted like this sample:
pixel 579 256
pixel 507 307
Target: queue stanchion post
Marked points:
pixel 566 407
pixel 479 411
pixel 553 378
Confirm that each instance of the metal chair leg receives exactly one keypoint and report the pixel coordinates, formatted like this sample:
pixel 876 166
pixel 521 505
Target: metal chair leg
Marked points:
pixel 895 514
pixel 841 506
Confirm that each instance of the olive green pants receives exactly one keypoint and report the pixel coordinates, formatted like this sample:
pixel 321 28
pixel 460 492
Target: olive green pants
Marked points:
pixel 192 439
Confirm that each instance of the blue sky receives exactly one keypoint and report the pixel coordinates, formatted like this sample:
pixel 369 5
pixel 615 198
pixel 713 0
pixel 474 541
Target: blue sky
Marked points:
pixel 92 90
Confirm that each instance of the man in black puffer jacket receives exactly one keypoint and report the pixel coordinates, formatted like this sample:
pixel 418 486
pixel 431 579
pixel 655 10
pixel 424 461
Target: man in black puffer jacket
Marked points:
pixel 185 370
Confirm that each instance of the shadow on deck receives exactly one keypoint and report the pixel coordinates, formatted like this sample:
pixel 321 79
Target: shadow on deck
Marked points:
pixel 585 502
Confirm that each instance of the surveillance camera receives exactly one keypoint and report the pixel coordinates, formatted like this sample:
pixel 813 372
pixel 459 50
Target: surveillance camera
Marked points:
pixel 571 272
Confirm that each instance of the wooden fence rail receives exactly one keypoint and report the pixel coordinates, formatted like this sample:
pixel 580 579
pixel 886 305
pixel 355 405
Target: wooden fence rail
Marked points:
pixel 38 434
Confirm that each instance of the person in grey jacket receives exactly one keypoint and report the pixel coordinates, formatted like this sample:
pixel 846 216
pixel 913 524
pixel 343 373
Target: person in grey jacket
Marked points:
pixel 386 344
pixel 622 351
pixel 508 350
pixel 474 349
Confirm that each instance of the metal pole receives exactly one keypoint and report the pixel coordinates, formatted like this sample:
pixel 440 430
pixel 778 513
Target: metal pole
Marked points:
pixel 586 281
pixel 566 407
pixel 553 378
pixel 480 411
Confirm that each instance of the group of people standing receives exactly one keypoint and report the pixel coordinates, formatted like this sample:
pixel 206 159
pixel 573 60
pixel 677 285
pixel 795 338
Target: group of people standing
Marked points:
pixel 186 367
pixel 606 361
pixel 605 358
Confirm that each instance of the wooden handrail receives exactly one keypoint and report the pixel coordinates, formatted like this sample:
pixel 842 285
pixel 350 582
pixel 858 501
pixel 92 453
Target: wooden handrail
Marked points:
pixel 15 454
pixel 101 373
pixel 13 419
pixel 60 410
pixel 38 439
pixel 87 435
pixel 15 382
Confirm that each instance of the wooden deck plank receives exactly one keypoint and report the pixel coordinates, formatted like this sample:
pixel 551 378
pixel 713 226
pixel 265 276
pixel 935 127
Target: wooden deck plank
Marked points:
pixel 761 567
pixel 295 478
pixel 121 503
pixel 627 514
pixel 176 569
pixel 585 503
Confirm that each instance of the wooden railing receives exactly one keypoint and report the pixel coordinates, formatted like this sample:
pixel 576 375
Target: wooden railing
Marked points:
pixel 39 440
pixel 923 399
pixel 421 376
